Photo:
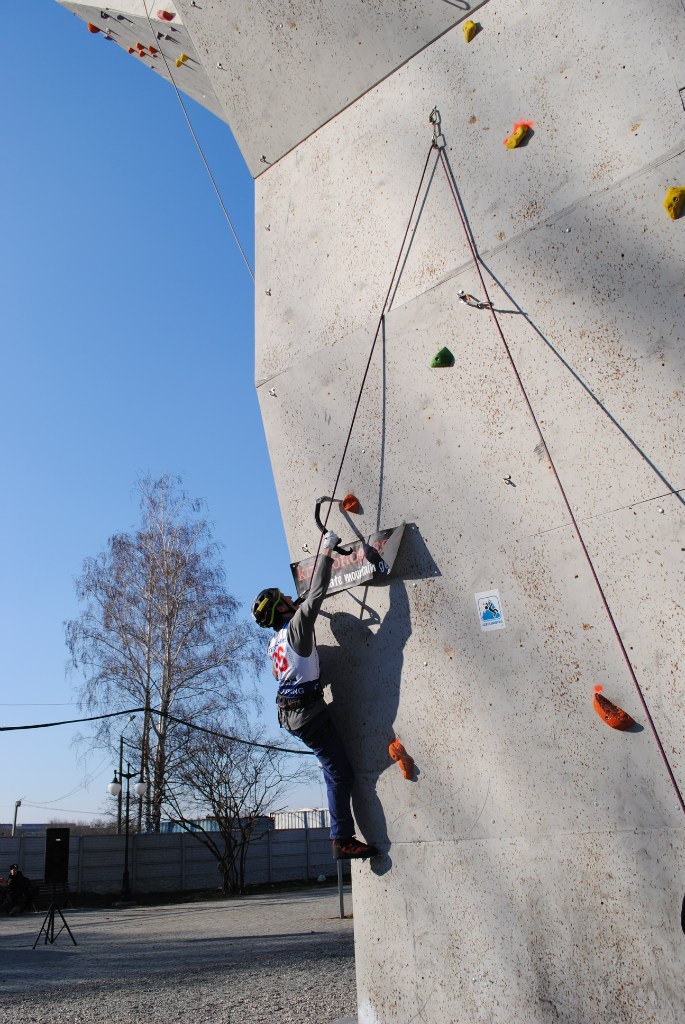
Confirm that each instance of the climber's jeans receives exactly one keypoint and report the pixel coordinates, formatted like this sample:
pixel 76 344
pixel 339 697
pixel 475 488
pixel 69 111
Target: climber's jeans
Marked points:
pixel 321 736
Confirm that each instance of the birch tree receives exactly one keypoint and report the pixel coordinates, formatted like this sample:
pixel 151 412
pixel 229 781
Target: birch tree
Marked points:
pixel 159 630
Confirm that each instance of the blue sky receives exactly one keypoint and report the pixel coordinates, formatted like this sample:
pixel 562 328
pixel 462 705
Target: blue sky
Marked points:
pixel 127 348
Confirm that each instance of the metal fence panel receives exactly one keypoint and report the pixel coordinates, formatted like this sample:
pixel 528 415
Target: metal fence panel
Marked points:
pixel 172 862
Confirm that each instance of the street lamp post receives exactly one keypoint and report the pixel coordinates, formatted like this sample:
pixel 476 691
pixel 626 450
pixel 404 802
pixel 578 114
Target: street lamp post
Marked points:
pixel 17 805
pixel 115 789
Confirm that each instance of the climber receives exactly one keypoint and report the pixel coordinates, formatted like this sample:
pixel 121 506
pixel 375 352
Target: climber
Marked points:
pixel 301 707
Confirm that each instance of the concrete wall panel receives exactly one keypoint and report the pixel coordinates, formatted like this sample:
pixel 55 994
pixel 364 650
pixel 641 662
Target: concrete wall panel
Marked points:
pixel 482 932
pixel 127 25
pixel 281 70
pixel 341 200
pixel 532 870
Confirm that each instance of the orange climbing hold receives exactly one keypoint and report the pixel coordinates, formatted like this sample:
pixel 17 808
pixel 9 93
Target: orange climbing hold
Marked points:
pixel 139 47
pixel 92 27
pixel 399 754
pixel 518 134
pixel 152 50
pixel 165 15
pixel 350 503
pixel 131 50
pixel 610 713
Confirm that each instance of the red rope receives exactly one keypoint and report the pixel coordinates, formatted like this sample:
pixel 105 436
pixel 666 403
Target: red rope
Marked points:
pixel 477 263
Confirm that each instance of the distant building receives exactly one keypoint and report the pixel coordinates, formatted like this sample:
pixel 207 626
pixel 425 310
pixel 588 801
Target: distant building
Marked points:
pixel 263 822
pixel 306 817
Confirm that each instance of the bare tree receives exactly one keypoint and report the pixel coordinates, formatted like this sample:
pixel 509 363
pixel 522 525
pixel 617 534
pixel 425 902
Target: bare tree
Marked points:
pixel 159 631
pixel 95 827
pixel 235 786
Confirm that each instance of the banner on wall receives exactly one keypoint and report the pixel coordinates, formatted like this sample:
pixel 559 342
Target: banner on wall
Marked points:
pixel 369 561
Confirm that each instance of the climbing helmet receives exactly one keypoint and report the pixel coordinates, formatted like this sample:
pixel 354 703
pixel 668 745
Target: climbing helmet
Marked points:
pixel 264 606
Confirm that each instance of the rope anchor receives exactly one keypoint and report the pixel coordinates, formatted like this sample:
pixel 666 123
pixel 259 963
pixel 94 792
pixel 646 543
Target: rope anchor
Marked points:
pixel 438 137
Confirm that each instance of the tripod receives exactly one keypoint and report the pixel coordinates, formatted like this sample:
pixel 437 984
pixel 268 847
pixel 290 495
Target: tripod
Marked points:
pixel 48 924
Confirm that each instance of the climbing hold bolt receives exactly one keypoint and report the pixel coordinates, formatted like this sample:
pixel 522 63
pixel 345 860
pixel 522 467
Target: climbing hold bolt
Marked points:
pixel 165 15
pixel 92 28
pixel 442 359
pixel 350 503
pixel 610 713
pixel 399 754
pixel 469 28
pixel 272 392
pixel 674 202
pixel 518 134
pixel 508 480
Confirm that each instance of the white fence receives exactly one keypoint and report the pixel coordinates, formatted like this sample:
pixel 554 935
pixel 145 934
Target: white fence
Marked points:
pixel 174 862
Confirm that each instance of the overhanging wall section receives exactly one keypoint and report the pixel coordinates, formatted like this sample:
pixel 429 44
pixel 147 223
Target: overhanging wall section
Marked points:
pixel 533 870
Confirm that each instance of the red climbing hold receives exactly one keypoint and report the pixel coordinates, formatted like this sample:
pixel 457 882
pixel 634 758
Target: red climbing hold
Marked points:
pixel 131 50
pixel 139 47
pixel 350 503
pixel 165 15
pixel 152 50
pixel 92 28
pixel 610 713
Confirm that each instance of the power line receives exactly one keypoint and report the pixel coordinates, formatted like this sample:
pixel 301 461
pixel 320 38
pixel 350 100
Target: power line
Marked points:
pixel 60 810
pixel 163 714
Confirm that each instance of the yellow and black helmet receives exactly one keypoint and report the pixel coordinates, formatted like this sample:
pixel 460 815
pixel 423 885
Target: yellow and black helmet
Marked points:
pixel 264 607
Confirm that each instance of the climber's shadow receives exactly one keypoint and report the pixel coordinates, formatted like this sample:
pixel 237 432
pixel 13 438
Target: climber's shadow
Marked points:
pixel 366 673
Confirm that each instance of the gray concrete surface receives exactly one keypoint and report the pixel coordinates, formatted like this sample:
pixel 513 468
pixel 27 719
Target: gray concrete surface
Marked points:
pixel 283 958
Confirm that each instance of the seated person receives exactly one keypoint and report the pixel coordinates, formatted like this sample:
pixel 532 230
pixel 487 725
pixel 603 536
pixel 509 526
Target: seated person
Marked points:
pixel 17 892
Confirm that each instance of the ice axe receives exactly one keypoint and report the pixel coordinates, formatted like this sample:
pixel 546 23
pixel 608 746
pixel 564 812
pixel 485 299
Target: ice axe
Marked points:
pixel 317 516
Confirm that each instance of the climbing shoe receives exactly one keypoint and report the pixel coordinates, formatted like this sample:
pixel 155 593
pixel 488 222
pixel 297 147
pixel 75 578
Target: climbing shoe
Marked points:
pixel 352 849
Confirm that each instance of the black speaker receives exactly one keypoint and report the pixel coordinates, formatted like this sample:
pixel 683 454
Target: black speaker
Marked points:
pixel 56 856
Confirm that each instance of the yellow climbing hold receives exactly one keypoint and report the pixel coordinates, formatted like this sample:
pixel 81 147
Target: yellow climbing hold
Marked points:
pixel 469 28
pixel 674 202
pixel 181 59
pixel 518 134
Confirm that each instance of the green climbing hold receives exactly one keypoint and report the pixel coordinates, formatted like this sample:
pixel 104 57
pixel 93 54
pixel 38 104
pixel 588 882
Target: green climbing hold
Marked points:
pixel 443 358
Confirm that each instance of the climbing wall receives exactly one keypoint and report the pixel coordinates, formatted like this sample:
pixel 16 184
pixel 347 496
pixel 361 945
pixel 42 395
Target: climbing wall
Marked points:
pixel 533 869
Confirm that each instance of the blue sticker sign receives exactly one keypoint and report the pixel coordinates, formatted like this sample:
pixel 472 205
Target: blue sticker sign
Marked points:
pixel 490 612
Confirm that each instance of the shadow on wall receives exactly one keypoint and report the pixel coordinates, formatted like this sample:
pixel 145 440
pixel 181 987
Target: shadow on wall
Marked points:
pixel 518 309
pixel 365 669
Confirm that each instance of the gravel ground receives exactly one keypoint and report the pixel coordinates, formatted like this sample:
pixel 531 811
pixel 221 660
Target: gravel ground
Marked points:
pixel 281 959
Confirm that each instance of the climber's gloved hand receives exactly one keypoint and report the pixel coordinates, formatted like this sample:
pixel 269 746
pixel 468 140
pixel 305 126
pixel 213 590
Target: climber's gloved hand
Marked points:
pixel 331 540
